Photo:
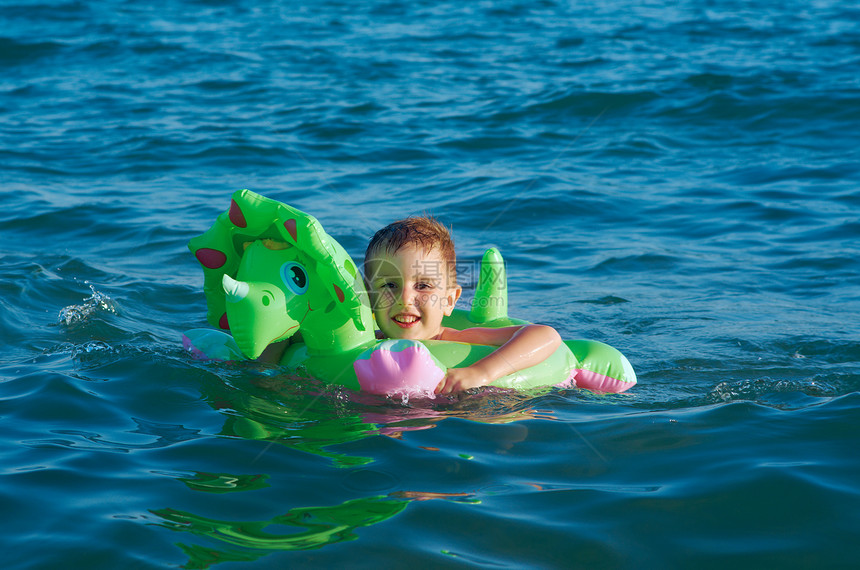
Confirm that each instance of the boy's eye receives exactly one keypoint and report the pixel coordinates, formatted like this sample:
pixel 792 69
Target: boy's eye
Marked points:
pixel 424 286
pixel 384 286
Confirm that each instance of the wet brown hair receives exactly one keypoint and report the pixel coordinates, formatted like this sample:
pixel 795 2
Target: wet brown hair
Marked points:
pixel 423 232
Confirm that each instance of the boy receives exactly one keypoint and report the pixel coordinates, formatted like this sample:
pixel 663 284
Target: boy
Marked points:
pixel 410 269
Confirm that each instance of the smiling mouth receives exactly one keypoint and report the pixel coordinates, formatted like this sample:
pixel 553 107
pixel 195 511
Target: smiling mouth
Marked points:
pixel 405 321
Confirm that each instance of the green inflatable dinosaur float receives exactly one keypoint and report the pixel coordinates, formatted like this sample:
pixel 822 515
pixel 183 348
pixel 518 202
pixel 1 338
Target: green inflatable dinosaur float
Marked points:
pixel 271 271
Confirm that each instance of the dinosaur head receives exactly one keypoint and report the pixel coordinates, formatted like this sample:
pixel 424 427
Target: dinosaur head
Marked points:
pixel 255 242
pixel 271 298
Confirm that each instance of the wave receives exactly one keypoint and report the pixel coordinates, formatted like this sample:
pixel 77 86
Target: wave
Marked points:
pixel 13 52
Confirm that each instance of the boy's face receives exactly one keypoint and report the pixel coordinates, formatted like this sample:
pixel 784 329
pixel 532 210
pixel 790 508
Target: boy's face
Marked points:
pixel 410 293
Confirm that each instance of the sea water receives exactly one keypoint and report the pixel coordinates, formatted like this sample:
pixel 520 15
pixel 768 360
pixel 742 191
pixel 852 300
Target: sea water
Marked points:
pixel 677 179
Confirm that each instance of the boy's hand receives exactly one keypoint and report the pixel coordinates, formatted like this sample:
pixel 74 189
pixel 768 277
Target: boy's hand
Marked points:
pixel 459 379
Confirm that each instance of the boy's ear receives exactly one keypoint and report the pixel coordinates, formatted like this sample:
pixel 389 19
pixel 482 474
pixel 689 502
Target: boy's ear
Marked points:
pixel 451 299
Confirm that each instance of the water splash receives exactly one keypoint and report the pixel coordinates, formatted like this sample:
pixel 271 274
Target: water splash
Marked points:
pixel 75 314
pixel 758 389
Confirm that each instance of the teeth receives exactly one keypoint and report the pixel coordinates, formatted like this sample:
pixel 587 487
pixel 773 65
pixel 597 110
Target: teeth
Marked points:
pixel 405 319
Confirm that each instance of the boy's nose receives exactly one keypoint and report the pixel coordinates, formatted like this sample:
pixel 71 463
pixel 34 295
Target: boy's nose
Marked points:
pixel 407 297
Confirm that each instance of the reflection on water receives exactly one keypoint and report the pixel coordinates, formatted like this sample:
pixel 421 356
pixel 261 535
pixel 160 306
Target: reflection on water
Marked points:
pixel 225 482
pixel 314 420
pixel 311 417
pixel 314 527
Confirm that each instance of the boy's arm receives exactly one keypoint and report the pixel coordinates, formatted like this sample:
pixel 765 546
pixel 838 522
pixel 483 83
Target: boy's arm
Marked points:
pixel 273 353
pixel 519 348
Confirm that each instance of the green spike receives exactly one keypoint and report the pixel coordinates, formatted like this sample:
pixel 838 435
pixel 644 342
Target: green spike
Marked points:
pixel 491 296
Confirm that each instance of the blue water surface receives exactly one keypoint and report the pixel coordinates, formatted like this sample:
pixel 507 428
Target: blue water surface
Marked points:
pixel 677 179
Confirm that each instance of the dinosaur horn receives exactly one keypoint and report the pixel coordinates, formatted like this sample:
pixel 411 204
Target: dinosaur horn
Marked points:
pixel 236 290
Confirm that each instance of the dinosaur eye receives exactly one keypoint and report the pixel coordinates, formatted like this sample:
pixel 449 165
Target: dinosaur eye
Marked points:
pixel 295 277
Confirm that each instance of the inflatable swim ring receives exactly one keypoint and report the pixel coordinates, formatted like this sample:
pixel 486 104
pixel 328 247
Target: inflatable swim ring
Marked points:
pixel 271 271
